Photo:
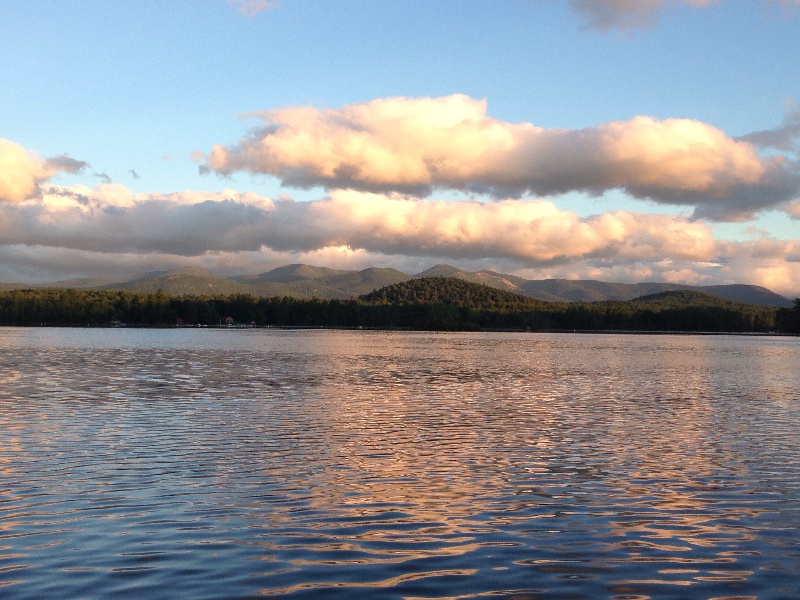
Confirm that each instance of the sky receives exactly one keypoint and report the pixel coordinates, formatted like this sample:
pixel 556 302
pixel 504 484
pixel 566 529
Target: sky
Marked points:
pixel 619 140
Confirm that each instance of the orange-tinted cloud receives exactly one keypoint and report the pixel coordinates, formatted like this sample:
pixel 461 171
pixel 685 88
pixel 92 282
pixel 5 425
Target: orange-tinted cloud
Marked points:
pixel 793 209
pixel 80 231
pixel 111 219
pixel 22 172
pixel 785 138
pixel 416 145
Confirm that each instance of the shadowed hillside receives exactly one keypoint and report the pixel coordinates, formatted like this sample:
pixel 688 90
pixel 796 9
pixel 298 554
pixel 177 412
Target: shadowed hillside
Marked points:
pixel 306 281
pixel 685 298
pixel 597 291
pixel 451 290
pixel 434 303
pixel 188 280
pixel 500 281
pixel 291 274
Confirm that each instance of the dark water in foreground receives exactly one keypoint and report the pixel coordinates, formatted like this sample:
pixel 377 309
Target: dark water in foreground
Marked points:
pixel 309 464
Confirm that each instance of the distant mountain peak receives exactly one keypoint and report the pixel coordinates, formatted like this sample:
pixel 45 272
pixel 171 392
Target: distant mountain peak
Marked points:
pixel 292 273
pixel 189 272
pixel 440 270
pixel 305 281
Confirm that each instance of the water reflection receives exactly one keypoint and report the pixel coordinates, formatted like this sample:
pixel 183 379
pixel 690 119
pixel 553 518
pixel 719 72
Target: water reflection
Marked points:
pixel 332 464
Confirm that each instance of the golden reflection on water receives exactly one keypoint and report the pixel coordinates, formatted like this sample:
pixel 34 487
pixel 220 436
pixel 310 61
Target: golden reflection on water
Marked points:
pixel 667 476
pixel 374 461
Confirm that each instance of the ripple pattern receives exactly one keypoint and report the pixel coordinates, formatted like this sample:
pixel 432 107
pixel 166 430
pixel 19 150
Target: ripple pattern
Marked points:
pixel 323 464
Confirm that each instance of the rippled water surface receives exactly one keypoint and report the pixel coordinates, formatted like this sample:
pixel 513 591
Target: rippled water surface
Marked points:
pixel 322 464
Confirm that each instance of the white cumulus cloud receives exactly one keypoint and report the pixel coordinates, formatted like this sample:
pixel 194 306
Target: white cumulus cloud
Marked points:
pixel 110 219
pixel 416 145
pixel 48 229
pixel 22 172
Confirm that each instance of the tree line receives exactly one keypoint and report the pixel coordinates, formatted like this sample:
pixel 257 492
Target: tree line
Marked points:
pixel 425 304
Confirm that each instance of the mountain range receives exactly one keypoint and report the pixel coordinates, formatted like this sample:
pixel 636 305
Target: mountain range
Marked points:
pixel 306 281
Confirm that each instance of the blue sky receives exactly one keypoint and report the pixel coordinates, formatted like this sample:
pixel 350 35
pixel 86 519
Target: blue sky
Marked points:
pixel 137 95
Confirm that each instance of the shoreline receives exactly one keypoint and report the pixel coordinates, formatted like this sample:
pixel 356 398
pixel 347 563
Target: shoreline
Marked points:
pixel 405 329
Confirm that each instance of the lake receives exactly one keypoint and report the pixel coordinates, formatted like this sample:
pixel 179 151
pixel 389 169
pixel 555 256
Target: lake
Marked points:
pixel 216 463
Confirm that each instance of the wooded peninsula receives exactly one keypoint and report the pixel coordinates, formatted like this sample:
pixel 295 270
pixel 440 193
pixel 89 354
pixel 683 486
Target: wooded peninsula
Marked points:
pixel 433 303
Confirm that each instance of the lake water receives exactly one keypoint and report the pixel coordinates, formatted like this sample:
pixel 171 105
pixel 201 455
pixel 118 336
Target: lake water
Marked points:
pixel 330 464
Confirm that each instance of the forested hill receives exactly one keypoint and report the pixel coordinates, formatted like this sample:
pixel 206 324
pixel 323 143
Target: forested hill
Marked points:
pixel 438 303
pixel 453 291
pixel 676 298
pixel 458 304
pixel 306 281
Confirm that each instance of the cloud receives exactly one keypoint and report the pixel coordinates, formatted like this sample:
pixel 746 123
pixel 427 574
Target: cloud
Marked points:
pixel 778 187
pixel 793 209
pixel 736 263
pixel 250 8
pixel 772 263
pixel 111 219
pixel 65 164
pixel 786 137
pixel 22 172
pixel 533 231
pixel 42 264
pixel 108 230
pixel 416 145
pixel 625 14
